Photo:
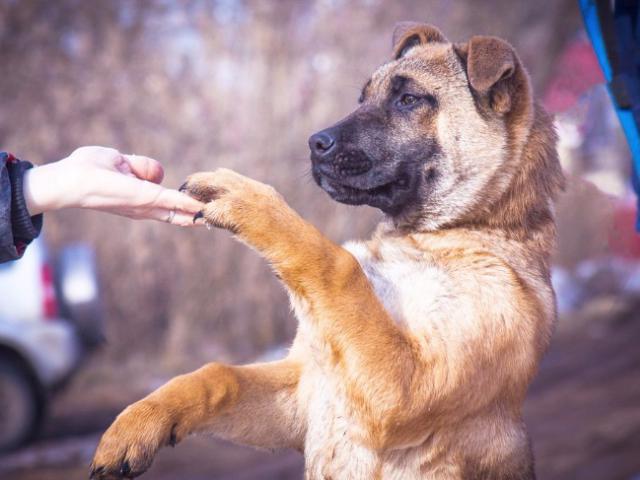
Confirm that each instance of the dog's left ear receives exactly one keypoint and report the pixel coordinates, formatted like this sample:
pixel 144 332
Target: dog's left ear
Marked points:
pixel 407 35
pixel 493 70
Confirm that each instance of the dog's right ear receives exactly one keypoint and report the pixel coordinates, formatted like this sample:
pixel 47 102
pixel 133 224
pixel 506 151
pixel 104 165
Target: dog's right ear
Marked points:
pixel 407 35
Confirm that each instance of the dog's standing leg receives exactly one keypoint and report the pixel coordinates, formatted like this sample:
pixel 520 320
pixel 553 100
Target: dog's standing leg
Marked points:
pixel 254 405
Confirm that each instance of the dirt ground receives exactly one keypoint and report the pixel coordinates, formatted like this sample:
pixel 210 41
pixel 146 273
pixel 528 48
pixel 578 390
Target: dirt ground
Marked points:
pixel 583 413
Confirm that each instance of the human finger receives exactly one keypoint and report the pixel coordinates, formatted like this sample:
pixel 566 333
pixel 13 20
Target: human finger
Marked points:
pixel 174 200
pixel 174 217
pixel 145 168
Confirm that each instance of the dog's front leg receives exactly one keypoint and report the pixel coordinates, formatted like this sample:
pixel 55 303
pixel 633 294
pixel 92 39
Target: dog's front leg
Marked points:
pixel 253 404
pixel 374 359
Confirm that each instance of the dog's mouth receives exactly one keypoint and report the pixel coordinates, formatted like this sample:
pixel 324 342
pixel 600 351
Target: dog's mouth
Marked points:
pixel 388 195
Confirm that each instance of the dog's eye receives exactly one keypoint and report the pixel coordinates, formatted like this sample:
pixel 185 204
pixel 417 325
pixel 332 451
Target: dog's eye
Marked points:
pixel 407 100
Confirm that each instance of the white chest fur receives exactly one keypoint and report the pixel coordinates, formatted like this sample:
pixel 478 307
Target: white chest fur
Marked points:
pixel 410 291
pixel 411 288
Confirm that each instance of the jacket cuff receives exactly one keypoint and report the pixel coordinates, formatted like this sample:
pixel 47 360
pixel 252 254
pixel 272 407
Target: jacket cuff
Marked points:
pixel 25 227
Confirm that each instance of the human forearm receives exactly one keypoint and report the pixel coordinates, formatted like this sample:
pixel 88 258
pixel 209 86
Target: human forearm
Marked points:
pixel 103 179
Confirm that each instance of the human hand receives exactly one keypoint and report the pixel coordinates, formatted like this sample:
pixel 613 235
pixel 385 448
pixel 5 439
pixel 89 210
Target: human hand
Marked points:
pixel 104 179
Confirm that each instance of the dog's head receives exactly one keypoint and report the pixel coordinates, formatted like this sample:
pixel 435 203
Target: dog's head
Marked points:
pixel 439 132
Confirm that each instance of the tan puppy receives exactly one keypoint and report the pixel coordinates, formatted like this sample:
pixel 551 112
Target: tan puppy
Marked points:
pixel 414 349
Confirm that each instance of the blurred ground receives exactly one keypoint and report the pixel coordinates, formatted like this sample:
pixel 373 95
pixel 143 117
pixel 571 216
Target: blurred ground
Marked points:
pixel 583 413
pixel 583 410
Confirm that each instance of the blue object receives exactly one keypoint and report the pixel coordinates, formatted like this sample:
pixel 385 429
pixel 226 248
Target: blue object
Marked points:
pixel 614 30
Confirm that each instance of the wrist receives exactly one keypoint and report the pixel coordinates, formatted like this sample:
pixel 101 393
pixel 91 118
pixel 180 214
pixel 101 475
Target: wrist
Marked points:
pixel 44 189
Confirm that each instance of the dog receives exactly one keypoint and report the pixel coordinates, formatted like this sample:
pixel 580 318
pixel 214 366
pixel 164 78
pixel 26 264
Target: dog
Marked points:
pixel 414 349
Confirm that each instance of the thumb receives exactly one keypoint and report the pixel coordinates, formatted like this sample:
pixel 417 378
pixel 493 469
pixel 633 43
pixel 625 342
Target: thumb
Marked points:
pixel 145 168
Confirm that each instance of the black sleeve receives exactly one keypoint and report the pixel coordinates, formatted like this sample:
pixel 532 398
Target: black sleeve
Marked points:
pixel 17 227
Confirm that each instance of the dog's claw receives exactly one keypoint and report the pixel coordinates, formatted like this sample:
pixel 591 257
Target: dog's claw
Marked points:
pixel 125 469
pixel 95 471
pixel 173 440
pixel 197 216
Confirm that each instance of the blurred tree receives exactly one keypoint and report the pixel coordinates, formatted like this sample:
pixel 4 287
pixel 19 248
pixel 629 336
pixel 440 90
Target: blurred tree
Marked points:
pixel 199 84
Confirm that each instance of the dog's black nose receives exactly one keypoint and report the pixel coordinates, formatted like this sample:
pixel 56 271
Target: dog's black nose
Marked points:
pixel 321 143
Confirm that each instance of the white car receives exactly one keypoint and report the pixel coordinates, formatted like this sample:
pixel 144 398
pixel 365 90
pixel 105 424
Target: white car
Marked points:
pixel 46 324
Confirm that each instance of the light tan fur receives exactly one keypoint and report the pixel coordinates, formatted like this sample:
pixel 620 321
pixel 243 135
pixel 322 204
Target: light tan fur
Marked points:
pixel 414 349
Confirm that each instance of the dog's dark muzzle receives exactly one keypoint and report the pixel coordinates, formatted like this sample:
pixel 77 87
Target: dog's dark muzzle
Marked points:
pixel 330 159
pixel 355 172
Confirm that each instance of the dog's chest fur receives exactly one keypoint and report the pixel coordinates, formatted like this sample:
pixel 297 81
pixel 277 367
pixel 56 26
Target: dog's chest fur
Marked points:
pixel 411 288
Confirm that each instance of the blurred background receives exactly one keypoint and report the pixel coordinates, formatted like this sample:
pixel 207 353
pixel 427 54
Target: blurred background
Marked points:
pixel 115 308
